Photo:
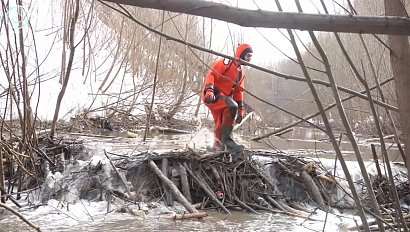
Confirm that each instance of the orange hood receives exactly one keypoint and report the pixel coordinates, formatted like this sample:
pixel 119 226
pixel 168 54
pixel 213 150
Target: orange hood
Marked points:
pixel 242 50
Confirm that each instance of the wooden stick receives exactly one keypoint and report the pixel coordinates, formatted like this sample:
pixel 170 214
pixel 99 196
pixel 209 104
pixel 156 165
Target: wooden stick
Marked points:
pixel 185 216
pixel 241 203
pixel 265 208
pixel 313 190
pixel 283 132
pixel 168 196
pixel 91 135
pixel 299 207
pixel 207 191
pixel 178 195
pixel 218 177
pixel 2 189
pixel 184 182
pixel 376 161
pixel 279 206
pixel 243 120
pixel 212 155
pixel 170 130
pixel 118 174
pixel 292 210
pixel 36 227
pixel 261 174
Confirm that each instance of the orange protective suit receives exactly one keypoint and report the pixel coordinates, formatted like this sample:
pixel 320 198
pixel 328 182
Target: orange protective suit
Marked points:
pixel 226 80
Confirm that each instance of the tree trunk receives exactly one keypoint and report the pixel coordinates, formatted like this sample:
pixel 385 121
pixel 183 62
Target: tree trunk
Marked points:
pixel 290 20
pixel 400 60
pixel 69 66
pixel 2 199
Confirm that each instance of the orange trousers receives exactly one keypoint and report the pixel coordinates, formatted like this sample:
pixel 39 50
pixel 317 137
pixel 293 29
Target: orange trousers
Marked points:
pixel 224 111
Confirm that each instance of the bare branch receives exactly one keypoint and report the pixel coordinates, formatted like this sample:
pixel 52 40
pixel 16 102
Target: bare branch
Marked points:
pixel 391 25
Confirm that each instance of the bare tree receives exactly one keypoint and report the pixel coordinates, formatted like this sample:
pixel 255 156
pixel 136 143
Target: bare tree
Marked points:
pixel 70 31
pixel 400 60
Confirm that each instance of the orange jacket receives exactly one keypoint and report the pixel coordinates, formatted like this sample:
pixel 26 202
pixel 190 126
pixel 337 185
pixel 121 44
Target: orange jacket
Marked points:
pixel 226 77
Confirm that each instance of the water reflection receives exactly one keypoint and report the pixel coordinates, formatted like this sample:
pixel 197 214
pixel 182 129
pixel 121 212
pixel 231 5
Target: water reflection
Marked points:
pixel 301 140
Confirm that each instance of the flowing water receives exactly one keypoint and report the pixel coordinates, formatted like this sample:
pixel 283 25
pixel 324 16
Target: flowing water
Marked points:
pixel 238 221
pixel 82 215
pixel 92 216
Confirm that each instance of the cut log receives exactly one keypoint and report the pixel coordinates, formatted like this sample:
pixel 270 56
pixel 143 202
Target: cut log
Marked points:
pixel 177 194
pixel 168 196
pixel 378 139
pixel 313 190
pixel 199 215
pixel 184 182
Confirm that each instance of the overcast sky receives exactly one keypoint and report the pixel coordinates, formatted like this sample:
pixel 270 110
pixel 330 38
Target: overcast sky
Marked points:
pixel 263 40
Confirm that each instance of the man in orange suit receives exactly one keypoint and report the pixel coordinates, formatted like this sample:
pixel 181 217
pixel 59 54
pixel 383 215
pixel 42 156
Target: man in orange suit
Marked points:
pixel 223 95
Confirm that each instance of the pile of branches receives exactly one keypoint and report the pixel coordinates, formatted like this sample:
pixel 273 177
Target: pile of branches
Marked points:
pixel 226 181
pixel 27 168
pixel 251 180
pixel 119 122
pixel 24 166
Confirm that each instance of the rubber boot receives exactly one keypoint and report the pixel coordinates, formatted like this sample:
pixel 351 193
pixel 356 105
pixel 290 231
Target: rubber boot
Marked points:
pixel 226 138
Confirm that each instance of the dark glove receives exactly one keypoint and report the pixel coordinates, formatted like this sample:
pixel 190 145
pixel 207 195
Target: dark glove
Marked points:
pixel 209 96
pixel 239 117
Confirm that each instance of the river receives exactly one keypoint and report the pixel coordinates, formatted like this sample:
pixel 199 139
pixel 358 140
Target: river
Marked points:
pixel 82 215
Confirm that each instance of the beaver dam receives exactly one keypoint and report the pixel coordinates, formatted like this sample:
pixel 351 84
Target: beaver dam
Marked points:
pixel 254 181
